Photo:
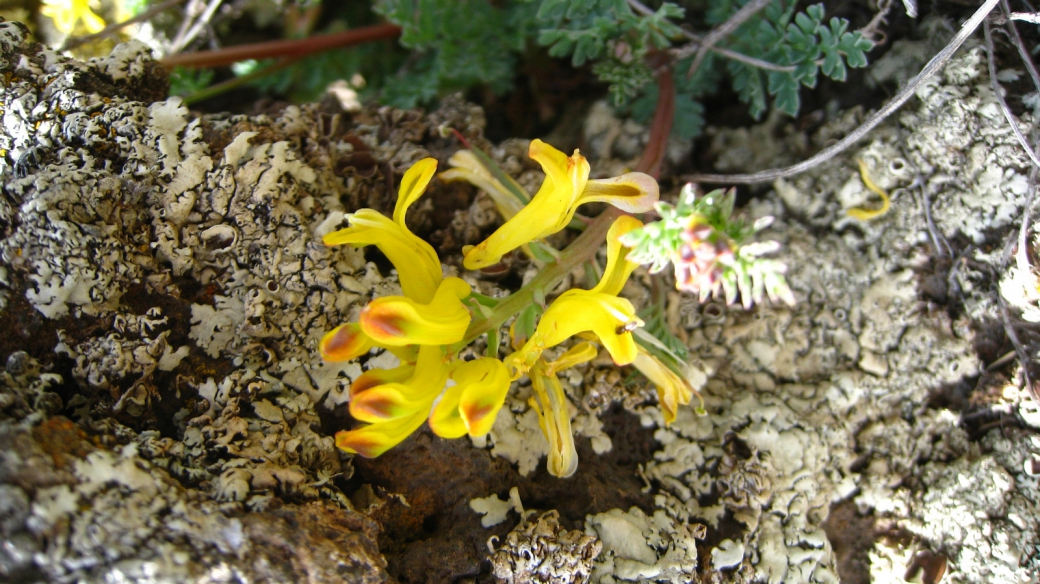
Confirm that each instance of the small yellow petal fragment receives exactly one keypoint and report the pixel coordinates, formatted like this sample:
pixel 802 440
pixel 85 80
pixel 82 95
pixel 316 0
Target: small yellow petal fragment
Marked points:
pixel 868 214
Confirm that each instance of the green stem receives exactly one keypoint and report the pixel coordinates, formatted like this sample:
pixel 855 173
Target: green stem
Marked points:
pixel 581 249
pixel 235 82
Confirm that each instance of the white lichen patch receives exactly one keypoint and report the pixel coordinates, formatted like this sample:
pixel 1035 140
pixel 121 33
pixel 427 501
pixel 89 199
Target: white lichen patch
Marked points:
pixel 638 548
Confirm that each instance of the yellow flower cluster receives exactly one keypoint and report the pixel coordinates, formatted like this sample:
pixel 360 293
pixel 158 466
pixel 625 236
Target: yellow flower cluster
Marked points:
pixel 66 13
pixel 457 397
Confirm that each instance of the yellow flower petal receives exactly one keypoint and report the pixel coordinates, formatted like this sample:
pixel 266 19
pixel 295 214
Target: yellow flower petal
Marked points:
pixel 93 22
pixel 672 390
pixel 618 268
pixel 554 418
pixel 378 403
pixel 372 440
pixel 576 355
pixel 445 420
pixel 467 167
pixel 486 383
pixel 634 192
pixel 343 343
pixel 471 405
pixel 418 266
pixel 575 311
pixel 549 211
pixel 396 320
pixel 65 14
pixel 375 377
pixel 413 184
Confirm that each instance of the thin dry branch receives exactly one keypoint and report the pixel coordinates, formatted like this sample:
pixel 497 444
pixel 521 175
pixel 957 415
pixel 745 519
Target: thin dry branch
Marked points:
pixel 1027 58
pixel 933 67
pixel 727 53
pixel 721 31
pixel 999 92
pixel 111 29
pixel 201 22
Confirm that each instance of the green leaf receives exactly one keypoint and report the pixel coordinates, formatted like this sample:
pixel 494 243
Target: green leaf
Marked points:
pixel 492 344
pixel 807 25
pixel 525 323
pixel 747 82
pixel 833 66
pixel 815 12
pixel 785 90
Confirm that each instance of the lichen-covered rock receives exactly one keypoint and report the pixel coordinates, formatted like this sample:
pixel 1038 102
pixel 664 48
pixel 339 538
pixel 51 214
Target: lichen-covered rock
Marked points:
pixel 638 547
pixel 855 394
pixel 73 511
pixel 542 551
pixel 165 286
pixel 165 415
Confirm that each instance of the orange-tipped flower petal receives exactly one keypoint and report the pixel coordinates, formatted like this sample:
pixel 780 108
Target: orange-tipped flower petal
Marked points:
pixel 343 343
pixel 376 377
pixel 397 399
pixel 549 211
pixel 372 440
pixel 554 417
pixel 672 390
pixel 470 406
pixel 396 320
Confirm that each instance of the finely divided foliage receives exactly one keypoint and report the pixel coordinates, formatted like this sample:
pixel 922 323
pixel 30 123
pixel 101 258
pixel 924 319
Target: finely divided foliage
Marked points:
pixel 458 44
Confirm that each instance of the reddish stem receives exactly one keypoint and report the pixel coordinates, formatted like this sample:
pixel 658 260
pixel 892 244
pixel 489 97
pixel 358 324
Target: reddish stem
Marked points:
pixel 292 48
pixel 661 127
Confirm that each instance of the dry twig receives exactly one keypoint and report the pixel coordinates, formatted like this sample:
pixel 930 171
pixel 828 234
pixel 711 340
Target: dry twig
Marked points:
pixel 697 39
pixel 111 29
pixel 999 92
pixel 188 34
pixel 719 32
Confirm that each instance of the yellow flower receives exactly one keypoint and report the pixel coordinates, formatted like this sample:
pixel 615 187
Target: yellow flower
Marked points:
pixel 566 186
pixel 344 343
pixel 66 13
pixel 470 406
pixel 553 409
pixel 418 267
pixel 430 312
pixel 672 390
pixel 397 320
pixel 417 327
pixel 396 401
pixel 598 310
